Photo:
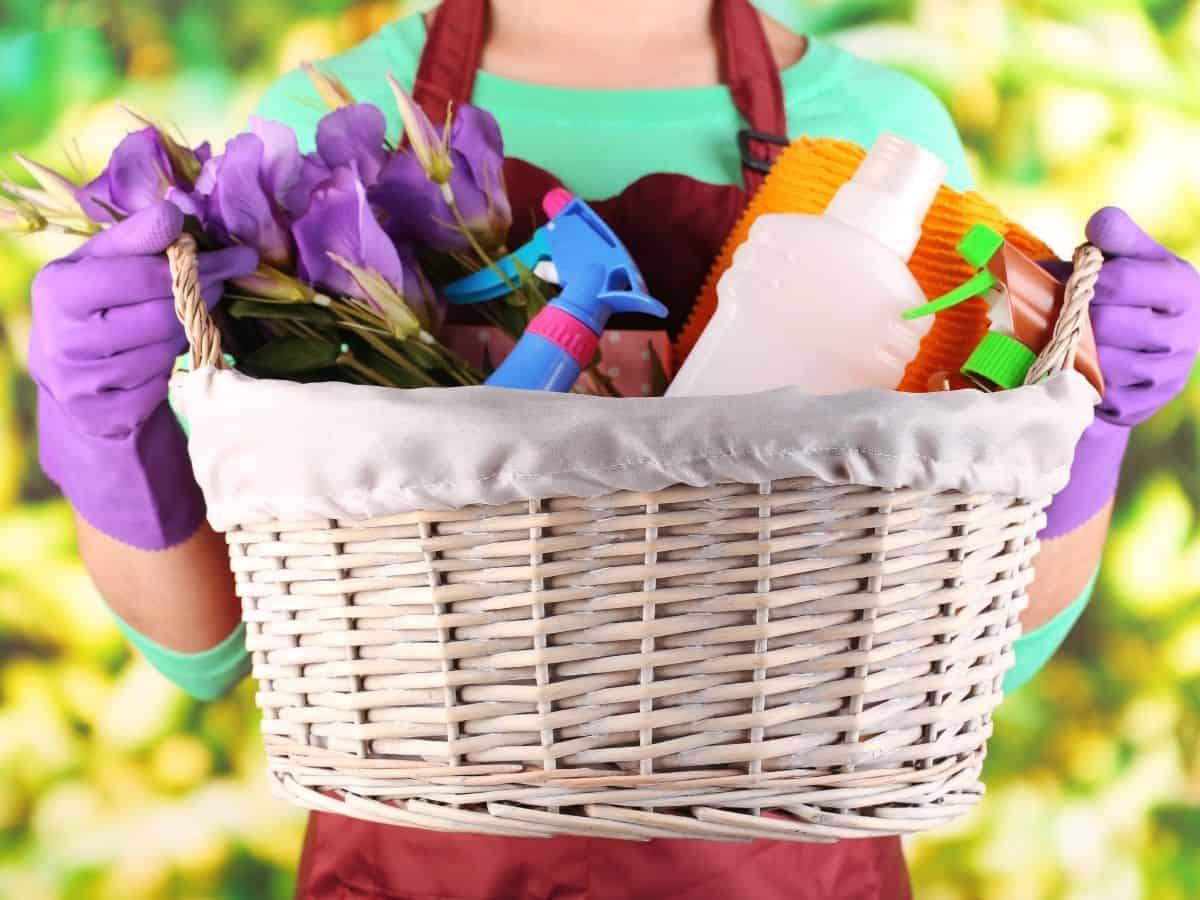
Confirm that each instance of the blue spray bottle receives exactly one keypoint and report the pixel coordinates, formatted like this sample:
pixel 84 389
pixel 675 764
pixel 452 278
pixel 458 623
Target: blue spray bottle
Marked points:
pixel 598 277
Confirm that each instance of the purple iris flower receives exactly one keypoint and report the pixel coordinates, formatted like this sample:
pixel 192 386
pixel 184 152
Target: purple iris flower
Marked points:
pixel 415 207
pixel 254 190
pixel 239 204
pixel 288 177
pixel 340 222
pixel 138 175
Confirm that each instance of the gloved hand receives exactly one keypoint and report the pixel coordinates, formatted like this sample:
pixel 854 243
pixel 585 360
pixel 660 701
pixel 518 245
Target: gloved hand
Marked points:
pixel 1146 316
pixel 104 341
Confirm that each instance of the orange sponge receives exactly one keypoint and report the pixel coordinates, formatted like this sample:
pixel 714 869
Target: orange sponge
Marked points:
pixel 804 179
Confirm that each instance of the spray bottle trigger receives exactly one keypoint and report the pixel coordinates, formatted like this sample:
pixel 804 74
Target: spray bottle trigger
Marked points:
pixel 504 276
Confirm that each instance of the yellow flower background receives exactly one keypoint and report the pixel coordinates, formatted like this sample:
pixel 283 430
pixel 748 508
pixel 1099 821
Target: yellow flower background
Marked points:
pixel 113 784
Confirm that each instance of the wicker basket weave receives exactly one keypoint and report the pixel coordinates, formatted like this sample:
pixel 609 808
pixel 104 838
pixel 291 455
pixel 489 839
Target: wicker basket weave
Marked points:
pixel 796 660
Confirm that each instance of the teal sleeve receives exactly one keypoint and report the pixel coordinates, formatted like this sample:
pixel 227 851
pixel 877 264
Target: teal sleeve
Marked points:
pixel 1033 650
pixel 206 675
pixel 293 101
pixel 833 93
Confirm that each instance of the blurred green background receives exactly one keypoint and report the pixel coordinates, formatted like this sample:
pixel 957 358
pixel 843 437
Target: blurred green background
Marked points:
pixel 115 785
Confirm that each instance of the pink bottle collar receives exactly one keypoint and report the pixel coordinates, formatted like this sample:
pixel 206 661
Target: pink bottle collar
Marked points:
pixel 564 330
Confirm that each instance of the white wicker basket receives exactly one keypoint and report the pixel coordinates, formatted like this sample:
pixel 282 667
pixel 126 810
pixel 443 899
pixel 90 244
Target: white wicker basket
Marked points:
pixel 803 658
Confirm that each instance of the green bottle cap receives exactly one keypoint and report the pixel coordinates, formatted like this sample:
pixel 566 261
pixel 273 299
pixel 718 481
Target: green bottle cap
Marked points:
pixel 980 245
pixel 1001 359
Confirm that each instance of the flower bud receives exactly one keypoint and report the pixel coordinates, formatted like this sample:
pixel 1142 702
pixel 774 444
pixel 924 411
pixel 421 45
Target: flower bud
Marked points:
pixel 20 218
pixel 330 88
pixel 431 150
pixel 58 188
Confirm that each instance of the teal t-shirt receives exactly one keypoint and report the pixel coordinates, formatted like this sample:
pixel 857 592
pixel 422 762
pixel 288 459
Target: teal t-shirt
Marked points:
pixel 599 141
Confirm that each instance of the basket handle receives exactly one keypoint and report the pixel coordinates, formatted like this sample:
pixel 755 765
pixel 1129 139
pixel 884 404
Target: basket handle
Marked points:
pixel 203 338
pixel 1059 353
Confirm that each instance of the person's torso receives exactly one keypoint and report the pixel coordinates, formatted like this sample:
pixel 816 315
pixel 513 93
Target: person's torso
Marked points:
pixel 600 141
pixel 673 223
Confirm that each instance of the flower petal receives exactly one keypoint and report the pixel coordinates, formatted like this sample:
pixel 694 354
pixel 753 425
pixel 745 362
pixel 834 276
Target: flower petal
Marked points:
pixel 281 159
pixel 354 135
pixel 340 222
pixel 139 173
pixel 414 208
pixel 239 207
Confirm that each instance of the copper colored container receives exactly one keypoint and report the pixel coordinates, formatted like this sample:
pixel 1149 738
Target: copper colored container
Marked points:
pixel 1036 298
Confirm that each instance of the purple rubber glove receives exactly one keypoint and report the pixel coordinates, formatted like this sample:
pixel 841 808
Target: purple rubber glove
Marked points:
pixel 1146 316
pixel 103 344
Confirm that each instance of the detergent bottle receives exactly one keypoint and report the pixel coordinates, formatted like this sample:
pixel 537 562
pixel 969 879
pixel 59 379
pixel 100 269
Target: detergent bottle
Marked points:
pixel 816 301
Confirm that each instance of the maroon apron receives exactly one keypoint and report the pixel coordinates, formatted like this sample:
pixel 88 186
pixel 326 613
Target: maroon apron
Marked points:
pixel 674 226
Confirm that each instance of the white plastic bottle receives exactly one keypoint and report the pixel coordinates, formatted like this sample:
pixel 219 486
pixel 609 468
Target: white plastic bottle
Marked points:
pixel 816 301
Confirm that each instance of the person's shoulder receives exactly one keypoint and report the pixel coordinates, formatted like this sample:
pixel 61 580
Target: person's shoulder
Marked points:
pixel 887 90
pixel 892 101
pixel 395 49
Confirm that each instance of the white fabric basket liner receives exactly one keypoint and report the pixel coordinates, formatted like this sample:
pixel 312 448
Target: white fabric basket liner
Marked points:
pixel 268 451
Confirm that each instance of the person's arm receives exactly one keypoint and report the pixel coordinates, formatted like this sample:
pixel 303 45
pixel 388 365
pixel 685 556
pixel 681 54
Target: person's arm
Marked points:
pixel 1146 319
pixel 181 598
pixel 1061 572
pixel 1066 568
pixel 103 342
pixel 177 606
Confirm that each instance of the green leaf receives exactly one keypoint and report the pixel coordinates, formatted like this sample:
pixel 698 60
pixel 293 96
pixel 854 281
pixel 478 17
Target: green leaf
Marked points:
pixel 291 355
pixel 293 312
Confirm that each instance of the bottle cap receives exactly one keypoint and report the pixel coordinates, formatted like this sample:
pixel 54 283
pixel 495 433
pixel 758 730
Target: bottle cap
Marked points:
pixel 1000 359
pixel 891 193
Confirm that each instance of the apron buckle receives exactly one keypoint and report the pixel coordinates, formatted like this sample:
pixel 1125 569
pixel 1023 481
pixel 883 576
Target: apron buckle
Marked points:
pixel 746 139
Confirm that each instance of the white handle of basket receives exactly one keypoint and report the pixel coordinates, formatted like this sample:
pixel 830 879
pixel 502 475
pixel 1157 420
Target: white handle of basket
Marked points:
pixel 202 335
pixel 1059 354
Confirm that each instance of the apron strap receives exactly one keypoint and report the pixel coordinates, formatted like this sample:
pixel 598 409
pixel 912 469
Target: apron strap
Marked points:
pixel 749 70
pixel 454 49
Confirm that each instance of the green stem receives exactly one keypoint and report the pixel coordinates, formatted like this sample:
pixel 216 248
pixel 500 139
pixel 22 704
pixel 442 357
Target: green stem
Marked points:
pixel 349 361
pixel 362 329
pixel 453 366
pixel 305 330
pixel 400 360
